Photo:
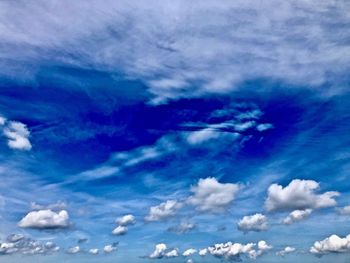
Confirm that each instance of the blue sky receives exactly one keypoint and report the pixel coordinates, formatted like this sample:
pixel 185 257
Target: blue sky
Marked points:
pixel 168 131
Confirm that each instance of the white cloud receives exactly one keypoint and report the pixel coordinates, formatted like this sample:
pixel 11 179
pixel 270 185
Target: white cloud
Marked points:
pixel 298 195
pixel 233 251
pixel 2 120
pixel 93 251
pixel 183 227
pixel 109 248
pixel 73 250
pixel 45 219
pixel 344 210
pixel 297 215
pixel 172 253
pixel 203 252
pixel 211 196
pixel 17 134
pixel 163 211
pixel 126 220
pixel 60 205
pixel 212 45
pixel 257 222
pixel 189 252
pixel 264 127
pixel 332 244
pixel 285 251
pixel 159 251
pixel 120 230
pixel 201 136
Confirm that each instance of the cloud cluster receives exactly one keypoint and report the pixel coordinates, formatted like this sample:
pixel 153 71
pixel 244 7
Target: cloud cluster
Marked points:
pixel 297 215
pixel 19 244
pixel 163 210
pixel 209 195
pixel 298 195
pixel 122 222
pixel 43 219
pixel 257 222
pixel 181 49
pixel 332 244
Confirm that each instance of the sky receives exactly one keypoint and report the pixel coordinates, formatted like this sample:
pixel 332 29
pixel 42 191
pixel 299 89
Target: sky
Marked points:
pixel 175 131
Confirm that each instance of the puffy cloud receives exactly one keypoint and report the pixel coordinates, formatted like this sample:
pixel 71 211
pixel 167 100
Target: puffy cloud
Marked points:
pixel 189 252
pixel 126 220
pixel 182 228
pixel 297 215
pixel 332 244
pixel 285 251
pixel 344 210
pixel 257 222
pixel 2 120
pixel 203 252
pixel 264 126
pixel 109 248
pixel 233 251
pixel 159 251
pixel 45 219
pixel 17 134
pixel 120 230
pixel 172 253
pixel 299 194
pixel 189 261
pixel 73 250
pixel 211 196
pixel 93 251
pixel 163 211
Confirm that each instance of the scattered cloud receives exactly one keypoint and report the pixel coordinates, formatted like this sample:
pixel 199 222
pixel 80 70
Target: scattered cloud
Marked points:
pixel 73 250
pixel 189 252
pixel 60 205
pixel 163 211
pixel 298 195
pixel 257 222
pixel 172 253
pixel 17 134
pixel 332 244
pixel 159 251
pixel 109 248
pixel 211 196
pixel 43 219
pixel 297 215
pixel 183 227
pixel 344 210
pixel 126 220
pixel 285 251
pixel 94 251
pixel 120 230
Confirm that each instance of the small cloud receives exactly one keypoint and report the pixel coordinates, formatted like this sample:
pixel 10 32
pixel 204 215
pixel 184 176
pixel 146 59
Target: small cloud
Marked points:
pixel 257 222
pixel 120 230
pixel 44 219
pixel 17 134
pixel 163 211
pixel 344 210
pixel 285 251
pixel 211 196
pixel 182 228
pixel 264 127
pixel 159 251
pixel 298 195
pixel 189 252
pixel 109 248
pixel 332 244
pixel 126 220
pixel 297 215
pixel 172 253
pixel 94 251
pixel 73 250
pixel 60 205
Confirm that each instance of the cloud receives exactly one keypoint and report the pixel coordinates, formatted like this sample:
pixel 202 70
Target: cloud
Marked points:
pixel 233 251
pixel 285 251
pixel 163 211
pixel 332 244
pixel 120 230
pixel 17 134
pixel 182 228
pixel 211 49
pixel 203 252
pixel 264 127
pixel 257 222
pixel 126 220
pixel 297 215
pixel 344 210
pixel 94 251
pixel 73 250
pixel 211 196
pixel 189 252
pixel 109 248
pixel 299 194
pixel 60 205
pixel 159 251
pixel 45 219
pixel 172 253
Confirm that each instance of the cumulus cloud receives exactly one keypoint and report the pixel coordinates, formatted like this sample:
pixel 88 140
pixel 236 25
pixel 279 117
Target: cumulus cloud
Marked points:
pixel 344 210
pixel 73 250
pixel 94 251
pixel 297 215
pixel 203 252
pixel 298 195
pixel 285 251
pixel 17 134
pixel 109 248
pixel 257 222
pixel 120 230
pixel 234 251
pixel 163 211
pixel 189 252
pixel 126 220
pixel 212 44
pixel 211 196
pixel 45 219
pixel 159 251
pixel 332 244
pixel 172 253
